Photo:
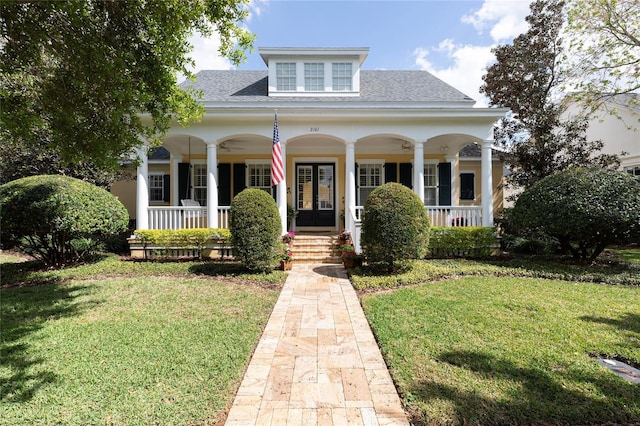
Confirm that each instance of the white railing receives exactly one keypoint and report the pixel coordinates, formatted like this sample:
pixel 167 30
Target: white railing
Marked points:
pixel 182 217
pixel 455 215
pixel 441 215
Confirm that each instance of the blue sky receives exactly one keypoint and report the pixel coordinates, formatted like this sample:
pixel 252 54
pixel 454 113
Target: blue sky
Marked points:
pixel 451 39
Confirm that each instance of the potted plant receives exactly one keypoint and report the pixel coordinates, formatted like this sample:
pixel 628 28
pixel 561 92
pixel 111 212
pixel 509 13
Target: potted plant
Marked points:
pixel 286 257
pixel 344 237
pixel 288 238
pixel 349 257
pixel 291 215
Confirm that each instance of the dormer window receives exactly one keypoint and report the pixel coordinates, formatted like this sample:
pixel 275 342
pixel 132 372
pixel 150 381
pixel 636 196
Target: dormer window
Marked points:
pixel 314 72
pixel 342 77
pixel 286 76
pixel 314 77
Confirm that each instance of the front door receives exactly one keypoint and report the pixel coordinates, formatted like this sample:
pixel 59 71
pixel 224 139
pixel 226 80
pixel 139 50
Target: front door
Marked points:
pixel 315 194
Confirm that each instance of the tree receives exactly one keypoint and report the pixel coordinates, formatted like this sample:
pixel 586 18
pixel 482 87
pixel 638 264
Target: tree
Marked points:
pixel 585 210
pixel 604 40
pixel 96 76
pixel 527 78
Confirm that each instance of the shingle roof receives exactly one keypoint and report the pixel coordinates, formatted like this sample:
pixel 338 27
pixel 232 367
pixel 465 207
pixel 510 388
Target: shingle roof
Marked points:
pixel 375 86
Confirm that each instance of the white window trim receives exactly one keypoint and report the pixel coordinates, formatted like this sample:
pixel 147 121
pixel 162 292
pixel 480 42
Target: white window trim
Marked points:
pixel 162 174
pixel 426 162
pixel 300 79
pixel 369 161
pixel 192 171
pixel 256 162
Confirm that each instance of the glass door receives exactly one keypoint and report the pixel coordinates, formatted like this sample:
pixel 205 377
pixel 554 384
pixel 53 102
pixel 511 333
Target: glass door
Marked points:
pixel 315 194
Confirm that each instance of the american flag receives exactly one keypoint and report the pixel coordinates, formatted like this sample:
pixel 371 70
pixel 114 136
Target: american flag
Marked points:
pixel 277 170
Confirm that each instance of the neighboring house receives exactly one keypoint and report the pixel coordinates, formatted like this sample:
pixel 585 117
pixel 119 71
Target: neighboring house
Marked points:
pixel 343 132
pixel 617 124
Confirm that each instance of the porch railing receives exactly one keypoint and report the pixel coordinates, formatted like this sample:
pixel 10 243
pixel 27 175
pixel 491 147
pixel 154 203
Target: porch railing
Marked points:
pixel 443 215
pixel 182 217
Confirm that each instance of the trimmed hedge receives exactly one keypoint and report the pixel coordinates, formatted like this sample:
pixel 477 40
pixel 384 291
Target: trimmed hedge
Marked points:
pixel 198 237
pixel 468 241
pixel 255 229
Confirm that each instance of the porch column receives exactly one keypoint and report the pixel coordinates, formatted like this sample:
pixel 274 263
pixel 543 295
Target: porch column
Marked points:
pixel 487 184
pixel 454 174
pixel 418 169
pixel 142 188
pixel 212 185
pixel 350 185
pixel 281 194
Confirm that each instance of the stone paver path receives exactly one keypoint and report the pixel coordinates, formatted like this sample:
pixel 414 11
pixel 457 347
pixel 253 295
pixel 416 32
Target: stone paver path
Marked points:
pixel 317 362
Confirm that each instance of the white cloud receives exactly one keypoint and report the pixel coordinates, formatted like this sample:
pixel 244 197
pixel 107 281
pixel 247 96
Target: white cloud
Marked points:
pixel 468 64
pixel 504 18
pixel 465 64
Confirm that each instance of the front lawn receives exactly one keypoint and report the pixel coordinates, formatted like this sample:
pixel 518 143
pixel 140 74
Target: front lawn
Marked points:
pixel 130 343
pixel 507 347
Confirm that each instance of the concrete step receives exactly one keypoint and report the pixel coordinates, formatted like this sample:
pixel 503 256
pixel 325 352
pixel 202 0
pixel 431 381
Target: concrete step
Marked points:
pixel 316 248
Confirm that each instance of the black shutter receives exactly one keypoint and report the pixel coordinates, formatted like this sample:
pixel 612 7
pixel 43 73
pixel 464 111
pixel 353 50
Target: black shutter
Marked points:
pixel 357 186
pixel 406 171
pixel 239 178
pixel 166 188
pixel 224 184
pixel 444 184
pixel 184 189
pixel 467 186
pixel 390 172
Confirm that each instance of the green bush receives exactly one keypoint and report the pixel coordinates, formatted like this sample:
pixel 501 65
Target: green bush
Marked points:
pixel 395 225
pixel 58 219
pixel 255 229
pixel 584 209
pixel 197 238
pixel 471 241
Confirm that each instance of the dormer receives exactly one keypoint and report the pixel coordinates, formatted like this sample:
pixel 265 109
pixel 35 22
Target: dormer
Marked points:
pixel 295 71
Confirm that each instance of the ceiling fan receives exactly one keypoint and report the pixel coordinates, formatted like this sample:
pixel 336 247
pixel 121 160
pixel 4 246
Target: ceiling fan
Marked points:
pixel 229 147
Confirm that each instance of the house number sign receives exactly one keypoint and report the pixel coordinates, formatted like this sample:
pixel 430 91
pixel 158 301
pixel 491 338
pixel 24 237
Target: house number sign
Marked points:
pixel 314 129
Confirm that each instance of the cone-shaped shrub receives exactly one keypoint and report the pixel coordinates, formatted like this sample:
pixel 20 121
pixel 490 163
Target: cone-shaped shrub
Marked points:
pixel 58 219
pixel 255 229
pixel 395 225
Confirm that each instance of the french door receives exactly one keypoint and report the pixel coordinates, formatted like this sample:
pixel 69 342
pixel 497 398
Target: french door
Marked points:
pixel 315 194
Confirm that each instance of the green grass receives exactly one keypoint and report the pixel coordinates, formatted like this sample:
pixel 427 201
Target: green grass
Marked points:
pixel 133 343
pixel 508 342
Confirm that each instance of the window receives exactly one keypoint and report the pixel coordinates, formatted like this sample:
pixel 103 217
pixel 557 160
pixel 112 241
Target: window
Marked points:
pixel 200 183
pixel 467 186
pixel 156 187
pixel 430 184
pixel 369 177
pixel 314 77
pixel 634 171
pixel 260 176
pixel 342 77
pixel 286 76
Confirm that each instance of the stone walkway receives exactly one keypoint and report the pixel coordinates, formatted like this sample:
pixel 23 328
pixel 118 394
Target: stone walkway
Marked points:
pixel 317 362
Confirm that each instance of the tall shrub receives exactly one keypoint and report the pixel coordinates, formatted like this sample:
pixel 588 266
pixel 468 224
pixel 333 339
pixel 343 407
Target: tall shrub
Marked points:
pixel 255 229
pixel 58 219
pixel 395 225
pixel 584 209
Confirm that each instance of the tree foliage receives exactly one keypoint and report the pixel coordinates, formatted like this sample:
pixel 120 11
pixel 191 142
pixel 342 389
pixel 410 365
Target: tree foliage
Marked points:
pixel 58 219
pixel 604 40
pixel 527 78
pixel 584 209
pixel 96 76
pixel 395 225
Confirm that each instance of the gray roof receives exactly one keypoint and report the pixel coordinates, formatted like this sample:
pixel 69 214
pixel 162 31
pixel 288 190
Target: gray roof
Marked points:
pixel 375 86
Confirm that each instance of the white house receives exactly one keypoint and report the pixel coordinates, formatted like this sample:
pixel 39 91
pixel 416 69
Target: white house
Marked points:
pixel 617 124
pixel 343 132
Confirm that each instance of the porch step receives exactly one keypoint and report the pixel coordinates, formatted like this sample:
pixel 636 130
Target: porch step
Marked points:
pixel 316 249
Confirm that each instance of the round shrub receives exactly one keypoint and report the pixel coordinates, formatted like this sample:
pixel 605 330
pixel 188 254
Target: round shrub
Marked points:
pixel 255 229
pixel 58 219
pixel 395 225
pixel 584 209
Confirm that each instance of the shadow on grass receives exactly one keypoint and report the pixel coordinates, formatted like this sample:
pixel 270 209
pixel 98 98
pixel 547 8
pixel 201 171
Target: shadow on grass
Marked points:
pixel 226 269
pixel 629 322
pixel 536 397
pixel 24 312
